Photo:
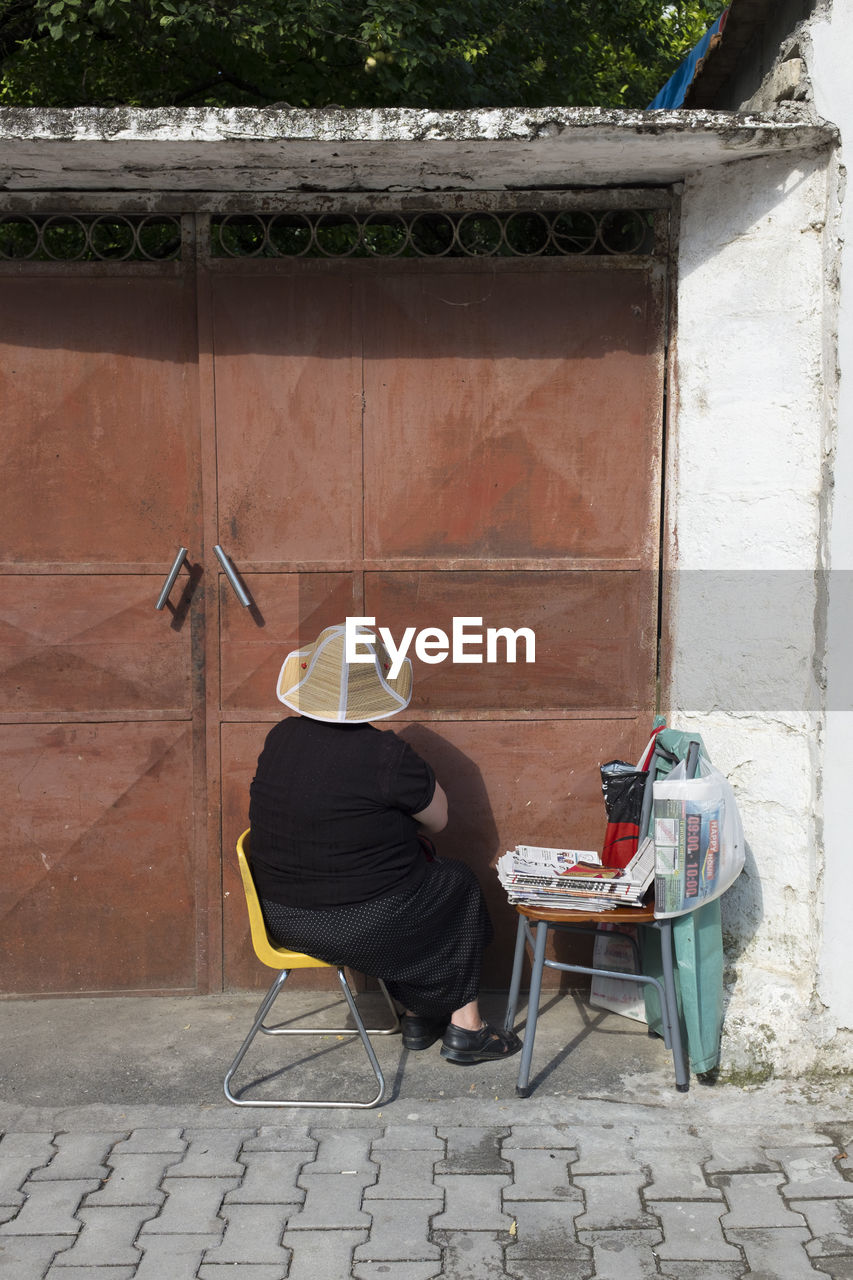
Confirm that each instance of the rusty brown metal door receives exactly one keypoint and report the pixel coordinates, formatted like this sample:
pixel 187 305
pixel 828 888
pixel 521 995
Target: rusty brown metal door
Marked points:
pixel 422 441
pixel 412 440
pixel 101 885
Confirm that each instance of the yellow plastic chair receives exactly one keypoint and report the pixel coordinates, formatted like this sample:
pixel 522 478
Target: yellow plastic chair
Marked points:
pixel 278 957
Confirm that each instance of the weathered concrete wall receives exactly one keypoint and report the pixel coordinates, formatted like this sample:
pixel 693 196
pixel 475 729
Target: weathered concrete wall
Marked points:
pixel 192 150
pixel 765 73
pixel 746 489
pixel 831 41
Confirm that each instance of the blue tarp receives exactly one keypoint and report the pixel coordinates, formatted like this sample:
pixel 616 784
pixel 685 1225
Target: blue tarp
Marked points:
pixel 672 94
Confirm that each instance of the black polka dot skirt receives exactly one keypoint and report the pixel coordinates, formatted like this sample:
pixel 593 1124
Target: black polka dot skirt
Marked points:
pixel 425 943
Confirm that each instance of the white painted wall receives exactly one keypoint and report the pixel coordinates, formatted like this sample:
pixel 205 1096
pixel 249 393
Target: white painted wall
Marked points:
pixel 746 485
pixel 829 68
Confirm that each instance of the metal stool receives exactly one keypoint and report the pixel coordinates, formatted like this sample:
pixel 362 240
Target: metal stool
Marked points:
pixel 582 921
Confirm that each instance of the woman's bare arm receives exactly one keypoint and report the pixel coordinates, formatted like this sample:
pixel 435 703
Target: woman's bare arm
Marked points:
pixel 434 816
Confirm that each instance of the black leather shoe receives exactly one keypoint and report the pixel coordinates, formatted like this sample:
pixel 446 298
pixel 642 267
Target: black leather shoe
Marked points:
pixel 466 1048
pixel 420 1033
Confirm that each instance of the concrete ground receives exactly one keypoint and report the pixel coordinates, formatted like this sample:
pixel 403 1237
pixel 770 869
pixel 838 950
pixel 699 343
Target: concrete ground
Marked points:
pixel 120 1157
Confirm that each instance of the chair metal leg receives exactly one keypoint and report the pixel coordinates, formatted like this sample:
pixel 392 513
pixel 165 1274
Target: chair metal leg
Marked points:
pixel 263 1009
pixel 522 1087
pixel 663 999
pixel 365 1040
pixel 343 1031
pixel 360 1030
pixel 397 1026
pixel 666 990
pixel 682 1076
pixel 515 983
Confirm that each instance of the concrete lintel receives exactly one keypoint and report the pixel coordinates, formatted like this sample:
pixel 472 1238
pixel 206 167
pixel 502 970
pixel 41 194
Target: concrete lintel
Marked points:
pixel 399 149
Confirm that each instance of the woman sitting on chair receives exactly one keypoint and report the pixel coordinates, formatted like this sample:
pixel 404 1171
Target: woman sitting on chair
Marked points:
pixel 337 814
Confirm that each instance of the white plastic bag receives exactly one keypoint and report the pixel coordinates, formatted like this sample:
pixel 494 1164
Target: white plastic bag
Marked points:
pixel 699 848
pixel 613 950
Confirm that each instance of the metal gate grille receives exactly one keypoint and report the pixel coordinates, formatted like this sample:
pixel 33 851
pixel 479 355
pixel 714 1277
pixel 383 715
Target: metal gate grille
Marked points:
pixel 435 234
pixel 483 225
pixel 105 237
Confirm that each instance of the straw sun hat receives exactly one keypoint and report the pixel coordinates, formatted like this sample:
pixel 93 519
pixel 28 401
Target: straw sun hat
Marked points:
pixel 318 682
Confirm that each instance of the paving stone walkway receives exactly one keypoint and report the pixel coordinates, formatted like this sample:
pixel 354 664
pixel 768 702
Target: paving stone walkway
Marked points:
pixel 607 1199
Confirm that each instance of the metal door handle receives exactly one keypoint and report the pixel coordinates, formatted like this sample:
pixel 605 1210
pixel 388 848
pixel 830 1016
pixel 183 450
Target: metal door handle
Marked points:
pixel 170 579
pixel 231 575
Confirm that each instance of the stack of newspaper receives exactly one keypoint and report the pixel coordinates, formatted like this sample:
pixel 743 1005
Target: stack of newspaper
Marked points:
pixel 574 879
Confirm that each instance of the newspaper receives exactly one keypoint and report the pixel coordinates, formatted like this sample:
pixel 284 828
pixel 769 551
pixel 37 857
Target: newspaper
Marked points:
pixel 542 861
pixel 687 841
pixel 574 880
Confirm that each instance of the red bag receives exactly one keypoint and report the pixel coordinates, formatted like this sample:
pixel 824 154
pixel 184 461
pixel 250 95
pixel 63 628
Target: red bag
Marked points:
pixel 623 786
pixel 620 843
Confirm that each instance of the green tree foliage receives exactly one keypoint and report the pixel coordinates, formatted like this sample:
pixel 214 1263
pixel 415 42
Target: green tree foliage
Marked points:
pixel 314 53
